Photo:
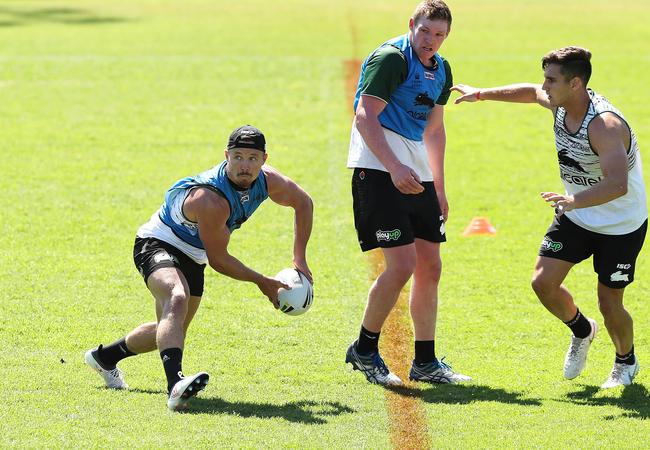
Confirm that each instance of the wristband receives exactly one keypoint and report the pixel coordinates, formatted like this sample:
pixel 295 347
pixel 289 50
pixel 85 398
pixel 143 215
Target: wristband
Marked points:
pixel 478 95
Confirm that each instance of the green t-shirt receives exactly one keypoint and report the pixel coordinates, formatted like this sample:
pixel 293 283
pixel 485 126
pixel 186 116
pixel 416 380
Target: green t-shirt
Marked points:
pixel 386 69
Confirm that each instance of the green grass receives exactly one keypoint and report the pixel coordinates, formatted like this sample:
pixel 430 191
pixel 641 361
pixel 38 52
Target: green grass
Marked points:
pixel 104 104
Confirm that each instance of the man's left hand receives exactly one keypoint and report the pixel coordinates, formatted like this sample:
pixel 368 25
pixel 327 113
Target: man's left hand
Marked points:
pixel 302 267
pixel 561 203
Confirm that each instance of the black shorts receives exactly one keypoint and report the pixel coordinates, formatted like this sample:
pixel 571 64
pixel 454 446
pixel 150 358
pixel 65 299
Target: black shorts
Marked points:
pixel 384 217
pixel 151 254
pixel 614 255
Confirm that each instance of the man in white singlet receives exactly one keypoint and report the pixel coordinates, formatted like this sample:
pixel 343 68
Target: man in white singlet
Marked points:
pixel 603 212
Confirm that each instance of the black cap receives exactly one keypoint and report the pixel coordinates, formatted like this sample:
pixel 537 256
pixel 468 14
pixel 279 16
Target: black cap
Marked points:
pixel 247 137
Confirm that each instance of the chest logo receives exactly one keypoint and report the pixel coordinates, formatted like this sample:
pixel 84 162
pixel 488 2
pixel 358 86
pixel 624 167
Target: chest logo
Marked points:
pixel 568 162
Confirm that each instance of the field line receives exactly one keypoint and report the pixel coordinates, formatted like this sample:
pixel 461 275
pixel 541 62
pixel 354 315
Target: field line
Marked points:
pixel 408 427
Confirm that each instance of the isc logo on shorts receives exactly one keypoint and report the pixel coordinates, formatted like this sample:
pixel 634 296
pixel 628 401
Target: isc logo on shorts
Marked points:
pixel 388 235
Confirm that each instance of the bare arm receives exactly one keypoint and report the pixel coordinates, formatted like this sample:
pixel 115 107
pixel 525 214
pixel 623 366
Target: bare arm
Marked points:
pixel 285 192
pixel 608 135
pixel 211 212
pixel 435 141
pixel 367 122
pixel 514 93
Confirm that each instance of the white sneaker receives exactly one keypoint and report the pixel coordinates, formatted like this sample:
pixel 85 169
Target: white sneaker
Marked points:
pixel 622 375
pixel 113 378
pixel 185 389
pixel 576 357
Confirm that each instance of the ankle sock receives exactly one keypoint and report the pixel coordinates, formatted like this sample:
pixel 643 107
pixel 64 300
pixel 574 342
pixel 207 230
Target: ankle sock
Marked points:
pixel 425 352
pixel 627 358
pixel 368 341
pixel 172 359
pixel 112 354
pixel 579 325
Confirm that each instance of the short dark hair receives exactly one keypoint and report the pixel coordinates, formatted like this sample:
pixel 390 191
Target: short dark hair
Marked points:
pixel 432 10
pixel 573 62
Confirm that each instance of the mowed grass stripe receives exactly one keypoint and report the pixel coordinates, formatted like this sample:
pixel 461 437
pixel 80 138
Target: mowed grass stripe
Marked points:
pixel 408 426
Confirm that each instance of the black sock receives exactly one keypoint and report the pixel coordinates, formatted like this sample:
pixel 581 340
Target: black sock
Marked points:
pixel 368 341
pixel 172 359
pixel 114 353
pixel 425 351
pixel 627 358
pixel 579 325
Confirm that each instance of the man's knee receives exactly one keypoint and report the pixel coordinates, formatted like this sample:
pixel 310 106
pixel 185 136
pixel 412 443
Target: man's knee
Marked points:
pixel 176 305
pixel 542 285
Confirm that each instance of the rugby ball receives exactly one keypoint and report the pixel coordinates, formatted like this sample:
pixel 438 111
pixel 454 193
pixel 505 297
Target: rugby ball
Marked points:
pixel 298 299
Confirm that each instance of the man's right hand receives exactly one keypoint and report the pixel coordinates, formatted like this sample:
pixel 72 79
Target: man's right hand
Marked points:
pixel 405 179
pixel 270 288
pixel 467 93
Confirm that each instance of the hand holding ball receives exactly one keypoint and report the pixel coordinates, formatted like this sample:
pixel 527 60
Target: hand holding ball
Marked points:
pixel 298 299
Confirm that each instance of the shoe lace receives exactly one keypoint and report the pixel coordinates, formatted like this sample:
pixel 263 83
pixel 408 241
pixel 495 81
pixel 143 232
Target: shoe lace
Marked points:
pixel 617 372
pixel 378 365
pixel 576 347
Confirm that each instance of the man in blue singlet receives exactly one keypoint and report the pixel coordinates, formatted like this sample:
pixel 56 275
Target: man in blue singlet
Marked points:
pixel 397 149
pixel 602 213
pixel 191 229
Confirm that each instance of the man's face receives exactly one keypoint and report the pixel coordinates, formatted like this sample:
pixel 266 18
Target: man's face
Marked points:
pixel 244 165
pixel 558 89
pixel 427 36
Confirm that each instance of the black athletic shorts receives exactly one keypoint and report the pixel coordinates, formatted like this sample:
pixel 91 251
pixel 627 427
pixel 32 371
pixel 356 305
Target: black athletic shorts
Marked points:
pixel 614 255
pixel 151 254
pixel 384 217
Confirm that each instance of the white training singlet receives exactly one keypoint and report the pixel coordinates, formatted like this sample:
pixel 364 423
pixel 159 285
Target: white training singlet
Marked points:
pixel 580 169
pixel 408 152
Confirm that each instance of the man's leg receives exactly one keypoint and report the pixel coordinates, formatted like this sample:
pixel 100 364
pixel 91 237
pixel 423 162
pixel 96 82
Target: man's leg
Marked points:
pixel 617 320
pixel 547 284
pixel 383 294
pixel 620 328
pixel 423 305
pixel 172 293
pixel 363 354
pixel 143 338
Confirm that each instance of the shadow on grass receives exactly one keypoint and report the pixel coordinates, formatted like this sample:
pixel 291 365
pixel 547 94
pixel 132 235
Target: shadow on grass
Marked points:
pixel 306 411
pixel 634 400
pixel 11 17
pixel 461 394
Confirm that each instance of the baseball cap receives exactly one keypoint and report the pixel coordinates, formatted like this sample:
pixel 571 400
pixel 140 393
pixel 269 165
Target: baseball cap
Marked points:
pixel 247 136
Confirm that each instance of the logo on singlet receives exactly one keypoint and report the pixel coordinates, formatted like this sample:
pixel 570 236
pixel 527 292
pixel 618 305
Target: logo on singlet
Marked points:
pixel 243 197
pixel 388 235
pixel 549 244
pixel 566 161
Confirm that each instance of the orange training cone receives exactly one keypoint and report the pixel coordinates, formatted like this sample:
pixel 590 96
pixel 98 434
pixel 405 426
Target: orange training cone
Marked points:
pixel 480 225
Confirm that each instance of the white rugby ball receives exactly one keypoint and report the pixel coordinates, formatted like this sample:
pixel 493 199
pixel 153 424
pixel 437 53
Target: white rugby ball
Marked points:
pixel 298 299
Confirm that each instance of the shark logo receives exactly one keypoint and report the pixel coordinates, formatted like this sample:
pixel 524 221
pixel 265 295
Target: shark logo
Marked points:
pixel 388 235
pixel 566 161
pixel 549 244
pixel 619 276
pixel 423 99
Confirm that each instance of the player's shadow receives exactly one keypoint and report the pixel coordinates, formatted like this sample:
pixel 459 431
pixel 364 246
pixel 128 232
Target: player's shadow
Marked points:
pixel 11 17
pixel 305 411
pixel 634 400
pixel 462 394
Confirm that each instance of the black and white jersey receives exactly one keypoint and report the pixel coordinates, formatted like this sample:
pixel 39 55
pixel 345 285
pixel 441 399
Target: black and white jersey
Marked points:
pixel 580 169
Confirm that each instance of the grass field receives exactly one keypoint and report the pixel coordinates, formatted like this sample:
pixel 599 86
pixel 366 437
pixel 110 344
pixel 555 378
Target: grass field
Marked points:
pixel 104 104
